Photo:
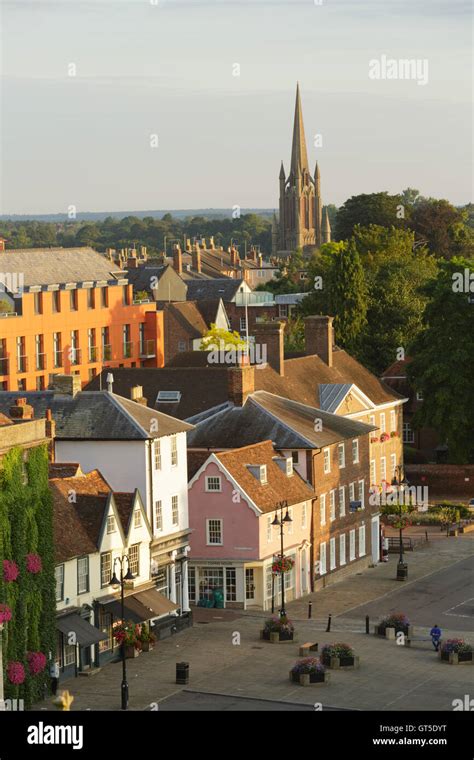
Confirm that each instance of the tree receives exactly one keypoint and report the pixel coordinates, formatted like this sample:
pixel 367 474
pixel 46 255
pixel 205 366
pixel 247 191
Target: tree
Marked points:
pixel 377 208
pixel 294 334
pixel 442 366
pixel 221 339
pixel 348 296
pixel 442 226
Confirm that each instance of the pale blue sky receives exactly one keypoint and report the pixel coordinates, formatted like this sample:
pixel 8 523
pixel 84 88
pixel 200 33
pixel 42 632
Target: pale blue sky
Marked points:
pixel 166 69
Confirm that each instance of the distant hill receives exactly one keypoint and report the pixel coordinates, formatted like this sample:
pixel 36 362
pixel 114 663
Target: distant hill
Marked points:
pixel 96 216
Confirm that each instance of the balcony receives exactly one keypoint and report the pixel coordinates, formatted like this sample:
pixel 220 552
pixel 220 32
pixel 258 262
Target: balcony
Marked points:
pixel 93 354
pixel 40 362
pixel 3 366
pixel 21 364
pixel 58 359
pixel 75 356
pixel 147 349
pixel 127 349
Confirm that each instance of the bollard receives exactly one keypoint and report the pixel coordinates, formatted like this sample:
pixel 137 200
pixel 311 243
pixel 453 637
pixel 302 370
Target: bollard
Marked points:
pixel 329 624
pixel 426 536
pixel 310 609
pixel 367 624
pixel 182 672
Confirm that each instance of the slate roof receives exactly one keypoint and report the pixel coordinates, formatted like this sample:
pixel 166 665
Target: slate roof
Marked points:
pixel 98 415
pixel 222 287
pixel 332 394
pixel 125 503
pixel 279 486
pixel 189 317
pixel 48 266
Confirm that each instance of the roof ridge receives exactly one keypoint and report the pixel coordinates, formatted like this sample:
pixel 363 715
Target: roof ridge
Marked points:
pixel 114 399
pixel 247 446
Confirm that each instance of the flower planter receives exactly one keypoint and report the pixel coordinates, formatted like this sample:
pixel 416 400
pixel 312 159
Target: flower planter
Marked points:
pixel 309 679
pixel 456 658
pixel 131 652
pixel 147 646
pixel 341 662
pixel 277 637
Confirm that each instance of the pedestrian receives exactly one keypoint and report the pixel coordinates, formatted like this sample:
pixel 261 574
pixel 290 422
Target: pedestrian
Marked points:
pixel 54 674
pixel 435 634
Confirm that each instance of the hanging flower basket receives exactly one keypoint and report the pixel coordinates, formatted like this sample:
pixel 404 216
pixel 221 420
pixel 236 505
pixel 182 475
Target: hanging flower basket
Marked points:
pixel 128 636
pixel 36 662
pixel 384 437
pixel 10 571
pixel 33 563
pixel 399 522
pixel 283 565
pixel 394 434
pixel 5 613
pixel 15 673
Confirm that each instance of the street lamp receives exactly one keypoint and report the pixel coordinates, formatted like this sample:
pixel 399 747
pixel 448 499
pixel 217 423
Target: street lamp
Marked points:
pixel 400 481
pixel 281 522
pixel 114 581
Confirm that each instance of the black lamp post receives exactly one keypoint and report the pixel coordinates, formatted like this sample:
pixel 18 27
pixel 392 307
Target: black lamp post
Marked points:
pixel 114 581
pixel 400 481
pixel 281 522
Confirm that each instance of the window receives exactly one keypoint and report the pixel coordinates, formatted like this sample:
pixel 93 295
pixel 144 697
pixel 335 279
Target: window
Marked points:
pixel 289 577
pixel 408 433
pixel 295 457
pixel 230 584
pixel 159 515
pixel 56 301
pixel 161 580
pixel 40 383
pixel 214 532
pixel 352 544
pixel 242 324
pixel 91 347
pixel 382 422
pixel 362 541
pixel 104 297
pixel 126 342
pixel 73 300
pixel 174 510
pixel 342 501
pixel 74 349
pixel 38 303
pixel 59 576
pixel 383 469
pixel 105 625
pixel 393 465
pixel 192 584
pixel 352 492
pixel 125 295
pixel 393 420
pixel 332 553
pixel 213 483
pixel 289 466
pixel 141 338
pixel 361 494
pixel 342 549
pixel 111 526
pixel 341 456
pixel 82 575
pixel 327 461
pixel 182 345
pixel 134 559
pixel 372 419
pixel 322 558
pixel 373 472
pixel 322 508
pixel 355 451
pixel 174 451
pixel 419 396
pixel 249 583
pixel 263 474
pixel 283 310
pixel 105 568
pixel 303 516
pixel 69 654
pixel 332 505
pixel 157 455
pixel 210 578
pixel 91 298
pixel 137 518
pixel 269 529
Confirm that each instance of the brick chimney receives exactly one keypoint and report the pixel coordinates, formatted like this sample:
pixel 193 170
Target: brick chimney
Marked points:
pixel 177 259
pixel 132 262
pixel 234 256
pixel 188 245
pixel 253 254
pixel 260 260
pixel 66 385
pixel 211 243
pixel 136 394
pixel 270 334
pixel 240 383
pixel 21 410
pixel 319 337
pixel 196 258
pixel 50 424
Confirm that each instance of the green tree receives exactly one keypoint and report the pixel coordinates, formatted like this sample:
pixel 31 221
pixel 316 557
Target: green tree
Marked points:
pixel 218 338
pixel 442 226
pixel 377 208
pixel 442 366
pixel 348 297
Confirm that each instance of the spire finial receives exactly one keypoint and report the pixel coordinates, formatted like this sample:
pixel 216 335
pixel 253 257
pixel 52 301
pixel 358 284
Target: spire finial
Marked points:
pixel 299 155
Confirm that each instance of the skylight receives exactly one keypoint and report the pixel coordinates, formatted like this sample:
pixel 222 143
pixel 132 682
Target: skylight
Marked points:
pixel 168 397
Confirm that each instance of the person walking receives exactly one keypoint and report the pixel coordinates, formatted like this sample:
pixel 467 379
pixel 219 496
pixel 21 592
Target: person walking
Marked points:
pixel 435 634
pixel 54 675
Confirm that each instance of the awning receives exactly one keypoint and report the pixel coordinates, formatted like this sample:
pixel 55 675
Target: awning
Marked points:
pixel 156 602
pixel 141 606
pixel 86 634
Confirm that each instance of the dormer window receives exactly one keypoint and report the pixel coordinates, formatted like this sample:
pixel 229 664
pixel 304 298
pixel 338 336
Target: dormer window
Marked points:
pixel 263 474
pixel 259 471
pixel 111 528
pixel 289 467
pixel 137 518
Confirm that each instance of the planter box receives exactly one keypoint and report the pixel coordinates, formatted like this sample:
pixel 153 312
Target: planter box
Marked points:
pixel 147 646
pixel 131 652
pixel 309 679
pixel 342 662
pixel 390 632
pixel 453 658
pixel 275 637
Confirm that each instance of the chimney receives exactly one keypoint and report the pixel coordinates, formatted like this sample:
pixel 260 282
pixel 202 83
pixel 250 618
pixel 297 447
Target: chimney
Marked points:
pixel 21 410
pixel 2 244
pixel 66 385
pixel 253 254
pixel 260 260
pixel 132 262
pixel 50 424
pixel 211 243
pixel 110 382
pixel 177 259
pixel 188 245
pixel 234 256
pixel 196 258
pixel 203 243
pixel 143 252
pixel 240 383
pixel 319 337
pixel 136 394
pixel 270 337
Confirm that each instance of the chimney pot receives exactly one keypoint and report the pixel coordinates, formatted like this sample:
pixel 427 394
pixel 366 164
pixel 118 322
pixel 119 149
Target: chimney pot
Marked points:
pixel 270 336
pixel 110 382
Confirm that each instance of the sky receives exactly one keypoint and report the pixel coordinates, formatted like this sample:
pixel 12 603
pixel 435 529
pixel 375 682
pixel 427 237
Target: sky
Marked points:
pixel 135 104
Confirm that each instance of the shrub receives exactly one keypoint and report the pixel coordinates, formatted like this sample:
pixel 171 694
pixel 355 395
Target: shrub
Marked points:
pixel 278 625
pixel 396 620
pixel 457 646
pixel 337 650
pixel 307 666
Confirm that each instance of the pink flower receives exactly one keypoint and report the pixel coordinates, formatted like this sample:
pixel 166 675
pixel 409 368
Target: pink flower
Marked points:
pixel 10 571
pixel 5 613
pixel 15 673
pixel 36 662
pixel 33 563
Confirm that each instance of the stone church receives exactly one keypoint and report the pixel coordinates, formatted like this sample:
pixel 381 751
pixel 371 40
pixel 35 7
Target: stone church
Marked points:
pixel 302 220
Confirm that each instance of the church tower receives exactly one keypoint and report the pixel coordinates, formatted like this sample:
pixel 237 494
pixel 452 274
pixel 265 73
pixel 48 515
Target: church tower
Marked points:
pixel 301 217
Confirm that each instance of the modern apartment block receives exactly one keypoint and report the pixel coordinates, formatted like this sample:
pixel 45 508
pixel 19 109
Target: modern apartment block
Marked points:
pixel 69 311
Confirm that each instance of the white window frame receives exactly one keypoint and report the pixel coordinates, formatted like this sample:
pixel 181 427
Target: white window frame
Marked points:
pixel 332 505
pixel 210 478
pixel 263 474
pixel 342 549
pixel 242 324
pixel 393 465
pixel 175 509
pixel 419 396
pixel 362 549
pixel 303 516
pixel 393 421
pixel 111 524
pixel 59 571
pixel 408 433
pixel 269 529
pixel 361 494
pixel 158 515
pixel 157 454
pixel 341 455
pixel 322 509
pixel 220 522
pixel 134 562
pixel 351 492
pixel 383 469
pixel 83 561
pixel 352 545
pixel 373 472
pixel 382 425
pixel 289 467
pixel 323 558
pixel 174 451
pixel 342 501
pixel 327 461
pixel 332 554
pixel 355 451
pixel 137 518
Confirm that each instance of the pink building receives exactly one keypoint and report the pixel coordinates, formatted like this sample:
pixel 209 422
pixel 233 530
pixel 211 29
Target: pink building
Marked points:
pixel 233 499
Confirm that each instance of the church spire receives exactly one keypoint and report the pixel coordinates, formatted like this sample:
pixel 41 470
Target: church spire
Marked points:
pixel 299 155
pixel 326 231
